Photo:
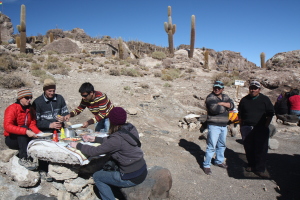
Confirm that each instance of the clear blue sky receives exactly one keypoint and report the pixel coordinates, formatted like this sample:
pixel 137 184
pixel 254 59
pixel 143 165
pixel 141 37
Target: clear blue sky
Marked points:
pixel 246 26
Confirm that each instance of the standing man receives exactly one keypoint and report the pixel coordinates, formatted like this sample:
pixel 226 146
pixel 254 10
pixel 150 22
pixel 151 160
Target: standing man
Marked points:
pixel 98 103
pixel 255 113
pixel 218 106
pixel 51 108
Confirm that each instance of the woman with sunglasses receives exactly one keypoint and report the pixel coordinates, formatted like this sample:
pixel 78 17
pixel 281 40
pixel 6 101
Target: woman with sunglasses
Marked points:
pixel 20 127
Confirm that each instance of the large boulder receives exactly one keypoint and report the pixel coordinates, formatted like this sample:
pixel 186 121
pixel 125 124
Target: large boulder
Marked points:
pixel 6 28
pixel 157 186
pixel 23 177
pixel 64 45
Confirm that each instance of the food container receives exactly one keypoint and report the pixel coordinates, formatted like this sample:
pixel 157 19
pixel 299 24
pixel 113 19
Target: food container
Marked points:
pixel 70 133
pixel 68 140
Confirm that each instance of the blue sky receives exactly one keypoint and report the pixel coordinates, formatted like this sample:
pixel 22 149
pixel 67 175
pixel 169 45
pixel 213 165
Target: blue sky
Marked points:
pixel 246 26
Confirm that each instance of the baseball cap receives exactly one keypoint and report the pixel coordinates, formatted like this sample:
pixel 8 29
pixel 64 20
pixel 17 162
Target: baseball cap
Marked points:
pixel 255 83
pixel 219 84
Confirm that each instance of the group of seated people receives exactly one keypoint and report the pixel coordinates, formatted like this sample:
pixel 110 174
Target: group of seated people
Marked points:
pixel 23 121
pixel 287 106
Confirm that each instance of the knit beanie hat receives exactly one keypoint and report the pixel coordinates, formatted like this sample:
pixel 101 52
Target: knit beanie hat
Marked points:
pixel 24 93
pixel 117 116
pixel 49 84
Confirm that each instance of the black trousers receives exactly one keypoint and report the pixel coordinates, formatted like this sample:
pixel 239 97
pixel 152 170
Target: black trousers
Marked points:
pixel 18 142
pixel 256 148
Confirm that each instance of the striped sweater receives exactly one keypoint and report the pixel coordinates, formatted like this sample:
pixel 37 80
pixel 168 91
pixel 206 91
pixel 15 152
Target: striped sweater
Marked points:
pixel 100 107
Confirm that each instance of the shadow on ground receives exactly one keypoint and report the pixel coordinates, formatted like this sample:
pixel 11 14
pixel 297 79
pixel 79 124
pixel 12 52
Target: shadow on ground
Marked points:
pixel 193 149
pixel 283 169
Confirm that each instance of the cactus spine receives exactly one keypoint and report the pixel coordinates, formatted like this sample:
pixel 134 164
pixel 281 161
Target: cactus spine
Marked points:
pixel 170 30
pixel 206 53
pixel 121 51
pixel 51 37
pixel 192 44
pixel 22 29
pixel 262 60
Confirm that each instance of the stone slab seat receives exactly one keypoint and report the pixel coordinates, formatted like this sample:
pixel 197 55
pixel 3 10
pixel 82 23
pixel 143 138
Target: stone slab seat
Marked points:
pixel 156 186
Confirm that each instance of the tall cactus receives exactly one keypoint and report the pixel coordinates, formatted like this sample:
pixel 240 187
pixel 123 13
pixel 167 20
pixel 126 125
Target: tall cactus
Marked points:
pixel 22 29
pixel 51 37
pixel 121 50
pixel 18 41
pixel 192 44
pixel 206 53
pixel 262 60
pixel 170 30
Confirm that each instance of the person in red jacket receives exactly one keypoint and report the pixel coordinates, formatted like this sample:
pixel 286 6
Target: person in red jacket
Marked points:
pixel 294 102
pixel 20 127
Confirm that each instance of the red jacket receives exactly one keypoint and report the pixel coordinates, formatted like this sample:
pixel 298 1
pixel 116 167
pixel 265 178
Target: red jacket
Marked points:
pixel 294 102
pixel 15 117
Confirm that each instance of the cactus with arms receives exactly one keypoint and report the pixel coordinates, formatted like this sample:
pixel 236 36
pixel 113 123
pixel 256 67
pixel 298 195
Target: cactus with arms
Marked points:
pixel 262 60
pixel 192 44
pixel 22 29
pixel 170 30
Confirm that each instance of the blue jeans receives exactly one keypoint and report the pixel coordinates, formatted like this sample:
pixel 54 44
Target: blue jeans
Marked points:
pixel 296 112
pixel 103 124
pixel 103 180
pixel 216 143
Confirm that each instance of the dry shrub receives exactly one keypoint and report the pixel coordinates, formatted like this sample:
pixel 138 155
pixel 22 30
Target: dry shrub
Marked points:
pixel 227 78
pixel 52 59
pixel 57 68
pixel 41 59
pixel 144 85
pixel 12 82
pixel 130 72
pixel 41 73
pixel 36 66
pixel 158 55
pixel 7 63
pixel 190 70
pixel 114 72
pixel 157 74
pixel 132 61
pixel 170 74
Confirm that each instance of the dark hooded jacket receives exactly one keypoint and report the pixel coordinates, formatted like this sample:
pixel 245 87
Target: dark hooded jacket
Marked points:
pixel 122 147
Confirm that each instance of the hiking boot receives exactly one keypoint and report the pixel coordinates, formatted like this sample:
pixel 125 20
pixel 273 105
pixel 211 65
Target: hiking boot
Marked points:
pixel 223 165
pixel 28 164
pixel 45 176
pixel 207 171
pixel 262 175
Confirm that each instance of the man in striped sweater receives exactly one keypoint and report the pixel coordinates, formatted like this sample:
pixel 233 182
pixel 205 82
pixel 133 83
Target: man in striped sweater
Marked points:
pixel 217 105
pixel 98 103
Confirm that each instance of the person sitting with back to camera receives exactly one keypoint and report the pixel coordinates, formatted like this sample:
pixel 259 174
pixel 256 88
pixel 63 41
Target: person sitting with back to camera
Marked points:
pixel 124 147
pixel 20 127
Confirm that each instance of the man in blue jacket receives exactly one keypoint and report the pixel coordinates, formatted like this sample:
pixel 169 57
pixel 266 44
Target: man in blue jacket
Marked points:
pixel 218 106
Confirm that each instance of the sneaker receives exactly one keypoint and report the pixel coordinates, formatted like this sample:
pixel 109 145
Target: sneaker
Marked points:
pixel 207 171
pixel 223 165
pixel 45 176
pixel 28 164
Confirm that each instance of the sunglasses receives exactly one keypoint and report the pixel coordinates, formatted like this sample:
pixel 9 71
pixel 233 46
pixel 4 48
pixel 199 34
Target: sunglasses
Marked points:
pixel 84 95
pixel 217 88
pixel 253 88
pixel 27 98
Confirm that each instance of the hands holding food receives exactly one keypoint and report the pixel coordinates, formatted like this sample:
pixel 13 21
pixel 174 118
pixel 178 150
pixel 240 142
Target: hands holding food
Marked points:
pixel 73 144
pixel 29 133
pixel 88 138
pixel 55 125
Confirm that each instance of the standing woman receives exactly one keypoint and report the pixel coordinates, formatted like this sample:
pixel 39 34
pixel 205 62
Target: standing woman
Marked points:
pixel 123 148
pixel 20 127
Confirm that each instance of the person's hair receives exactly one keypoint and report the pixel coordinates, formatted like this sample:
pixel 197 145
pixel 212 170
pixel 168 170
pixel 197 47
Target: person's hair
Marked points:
pixel 294 92
pixel 114 128
pixel 86 88
pixel 32 109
